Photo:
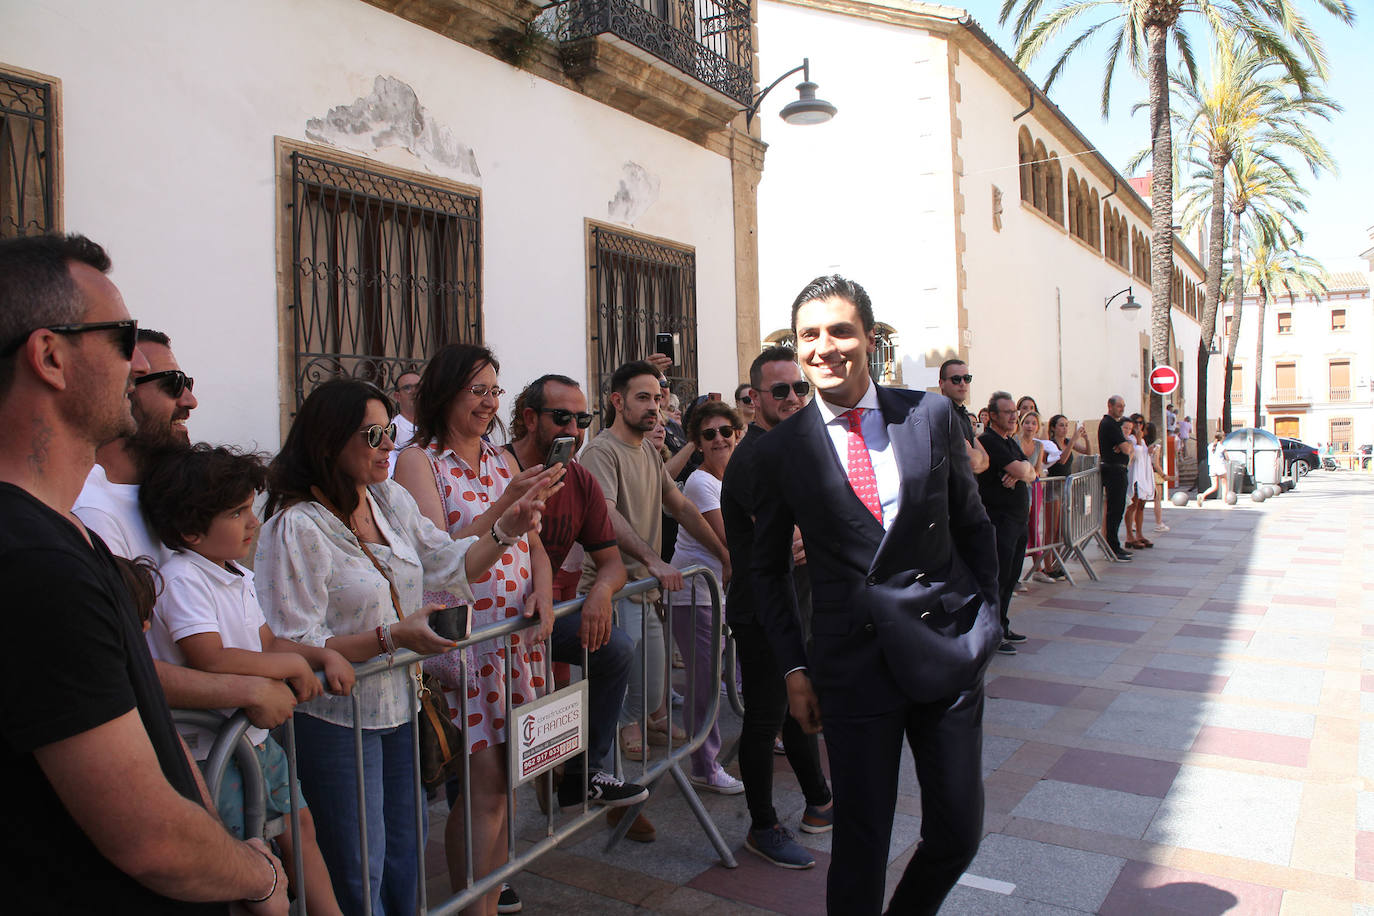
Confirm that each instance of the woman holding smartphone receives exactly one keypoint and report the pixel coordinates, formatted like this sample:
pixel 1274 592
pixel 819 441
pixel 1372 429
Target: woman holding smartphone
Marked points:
pixel 464 484
pixel 343 561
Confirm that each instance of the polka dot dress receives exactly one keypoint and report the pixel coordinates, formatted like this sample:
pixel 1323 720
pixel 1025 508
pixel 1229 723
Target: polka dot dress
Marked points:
pixel 501 592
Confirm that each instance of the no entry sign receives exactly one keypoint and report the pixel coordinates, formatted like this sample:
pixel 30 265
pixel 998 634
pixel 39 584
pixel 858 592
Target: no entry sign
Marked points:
pixel 1163 380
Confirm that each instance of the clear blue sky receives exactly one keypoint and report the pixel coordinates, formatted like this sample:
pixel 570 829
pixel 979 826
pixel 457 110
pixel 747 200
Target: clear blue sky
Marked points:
pixel 1340 208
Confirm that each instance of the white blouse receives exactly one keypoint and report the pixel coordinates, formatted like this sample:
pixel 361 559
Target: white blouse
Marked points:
pixel 314 582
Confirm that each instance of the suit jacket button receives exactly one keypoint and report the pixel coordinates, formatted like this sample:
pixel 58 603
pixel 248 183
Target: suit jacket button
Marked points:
pixel 868 628
pixel 872 580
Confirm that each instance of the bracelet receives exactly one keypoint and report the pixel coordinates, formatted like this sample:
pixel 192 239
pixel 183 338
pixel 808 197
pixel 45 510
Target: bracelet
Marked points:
pixel 389 641
pixel 381 640
pixel 501 538
pixel 267 896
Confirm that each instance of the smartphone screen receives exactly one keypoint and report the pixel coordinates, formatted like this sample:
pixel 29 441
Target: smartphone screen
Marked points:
pixel 713 396
pixel 453 623
pixel 560 451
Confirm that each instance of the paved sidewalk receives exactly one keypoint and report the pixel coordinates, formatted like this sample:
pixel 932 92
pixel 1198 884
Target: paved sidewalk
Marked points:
pixel 1192 734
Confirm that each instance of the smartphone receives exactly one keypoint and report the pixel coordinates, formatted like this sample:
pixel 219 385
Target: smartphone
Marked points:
pixel 560 451
pixel 663 343
pixel 453 623
pixel 713 396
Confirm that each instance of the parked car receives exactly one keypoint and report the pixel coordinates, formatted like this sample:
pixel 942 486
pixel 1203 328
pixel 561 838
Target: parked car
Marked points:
pixel 1298 457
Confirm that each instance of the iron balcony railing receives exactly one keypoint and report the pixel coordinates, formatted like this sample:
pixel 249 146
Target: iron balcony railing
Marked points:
pixel 1339 394
pixel 709 40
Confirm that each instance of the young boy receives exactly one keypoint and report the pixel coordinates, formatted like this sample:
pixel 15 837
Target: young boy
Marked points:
pixel 200 504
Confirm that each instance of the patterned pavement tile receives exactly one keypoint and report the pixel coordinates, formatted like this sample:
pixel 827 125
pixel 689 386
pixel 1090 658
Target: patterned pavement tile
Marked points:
pixel 1120 772
pixel 1088 808
pixel 1103 634
pixel 1261 814
pixel 1038 871
pixel 1033 690
pixel 764 885
pixel 1261 719
pixel 1277 683
pixel 1195 682
pixel 1266 748
pixel 1145 889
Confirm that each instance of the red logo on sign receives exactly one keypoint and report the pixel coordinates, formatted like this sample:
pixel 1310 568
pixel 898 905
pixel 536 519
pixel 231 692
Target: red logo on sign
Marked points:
pixel 1164 380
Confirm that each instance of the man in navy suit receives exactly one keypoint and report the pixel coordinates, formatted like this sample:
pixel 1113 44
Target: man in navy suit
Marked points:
pixel 904 600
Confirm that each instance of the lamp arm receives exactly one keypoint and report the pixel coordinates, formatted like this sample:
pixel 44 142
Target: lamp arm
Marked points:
pixel 804 67
pixel 1128 290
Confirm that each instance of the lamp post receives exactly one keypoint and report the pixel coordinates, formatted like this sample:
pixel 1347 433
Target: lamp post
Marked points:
pixel 1130 305
pixel 807 109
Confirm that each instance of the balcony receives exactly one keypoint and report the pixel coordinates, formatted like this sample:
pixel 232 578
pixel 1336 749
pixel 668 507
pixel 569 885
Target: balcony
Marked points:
pixel 1287 397
pixel 1338 394
pixel 708 40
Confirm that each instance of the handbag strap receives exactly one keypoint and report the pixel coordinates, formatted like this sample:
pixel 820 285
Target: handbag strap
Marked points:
pixel 395 595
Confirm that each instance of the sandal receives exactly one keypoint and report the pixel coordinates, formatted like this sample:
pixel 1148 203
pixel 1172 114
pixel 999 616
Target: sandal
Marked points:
pixel 632 746
pixel 1145 543
pixel 658 732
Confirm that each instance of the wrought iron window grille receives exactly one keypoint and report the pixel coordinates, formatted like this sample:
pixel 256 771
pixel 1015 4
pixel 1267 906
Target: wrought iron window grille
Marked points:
pixel 642 288
pixel 28 180
pixel 385 272
pixel 708 40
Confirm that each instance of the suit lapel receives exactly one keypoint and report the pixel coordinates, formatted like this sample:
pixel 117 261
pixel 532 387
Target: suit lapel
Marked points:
pixel 909 433
pixel 817 452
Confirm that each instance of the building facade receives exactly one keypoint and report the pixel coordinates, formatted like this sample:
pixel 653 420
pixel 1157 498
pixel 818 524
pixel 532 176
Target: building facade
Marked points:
pixel 1316 382
pixel 982 222
pixel 297 191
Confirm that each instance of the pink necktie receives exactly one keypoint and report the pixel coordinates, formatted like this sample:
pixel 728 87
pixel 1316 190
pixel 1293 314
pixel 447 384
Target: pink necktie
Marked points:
pixel 861 476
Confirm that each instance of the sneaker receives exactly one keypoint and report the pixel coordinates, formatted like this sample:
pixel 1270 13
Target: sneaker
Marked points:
pixel 1124 556
pixel 1160 529
pixel 509 902
pixel 602 789
pixel 719 781
pixel 779 748
pixel 1021 588
pixel 1057 574
pixel 1006 648
pixel 818 820
pixel 1039 576
pixel 1009 636
pixel 777 845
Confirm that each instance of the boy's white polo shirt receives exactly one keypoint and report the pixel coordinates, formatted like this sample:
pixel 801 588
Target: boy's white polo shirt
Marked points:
pixel 199 596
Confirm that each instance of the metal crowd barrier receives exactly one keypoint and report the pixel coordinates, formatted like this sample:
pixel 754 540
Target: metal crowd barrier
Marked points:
pixel 231 741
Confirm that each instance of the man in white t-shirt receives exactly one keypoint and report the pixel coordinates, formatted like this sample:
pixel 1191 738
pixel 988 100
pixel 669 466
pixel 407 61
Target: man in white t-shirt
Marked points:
pixel 404 395
pixel 161 402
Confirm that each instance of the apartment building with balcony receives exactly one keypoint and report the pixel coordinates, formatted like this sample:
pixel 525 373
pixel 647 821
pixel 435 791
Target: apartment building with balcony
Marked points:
pixel 1317 380
pixel 299 191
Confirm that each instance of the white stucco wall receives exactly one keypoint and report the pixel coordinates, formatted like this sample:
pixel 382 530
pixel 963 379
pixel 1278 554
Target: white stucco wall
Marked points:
pixel 170 110
pixel 868 194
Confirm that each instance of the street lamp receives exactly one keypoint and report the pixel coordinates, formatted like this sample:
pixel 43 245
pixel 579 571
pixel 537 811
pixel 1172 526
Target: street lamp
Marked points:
pixel 1130 305
pixel 807 109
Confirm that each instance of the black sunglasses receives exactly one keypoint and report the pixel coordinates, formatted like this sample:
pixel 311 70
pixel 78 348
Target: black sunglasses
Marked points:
pixel 746 400
pixel 376 431
pixel 561 416
pixel 128 338
pixel 726 432
pixel 779 391
pixel 174 381
pixel 959 379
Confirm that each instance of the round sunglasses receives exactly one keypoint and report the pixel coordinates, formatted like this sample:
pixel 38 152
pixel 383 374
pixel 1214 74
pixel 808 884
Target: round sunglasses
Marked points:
pixel 726 432
pixel 376 432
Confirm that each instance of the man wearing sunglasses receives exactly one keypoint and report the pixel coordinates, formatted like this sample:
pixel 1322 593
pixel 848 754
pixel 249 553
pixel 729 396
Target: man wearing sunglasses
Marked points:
pixel 105 811
pixel 778 391
pixel 954 381
pixel 746 402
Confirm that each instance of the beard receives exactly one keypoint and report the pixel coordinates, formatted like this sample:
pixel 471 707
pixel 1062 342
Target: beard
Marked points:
pixel 153 437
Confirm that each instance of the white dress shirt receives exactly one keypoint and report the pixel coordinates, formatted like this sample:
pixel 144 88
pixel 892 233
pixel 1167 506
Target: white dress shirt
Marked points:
pixel 881 452
pixel 405 431
pixel 111 510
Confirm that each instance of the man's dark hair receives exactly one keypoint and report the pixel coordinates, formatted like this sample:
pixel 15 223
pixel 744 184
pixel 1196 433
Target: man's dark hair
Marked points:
pixel 148 335
pixel 450 371
pixel 995 397
pixel 620 381
pixel 944 366
pixel 773 354
pixel 183 491
pixel 741 388
pixel 330 416
pixel 533 397
pixel 835 286
pixel 37 290
pixel 705 411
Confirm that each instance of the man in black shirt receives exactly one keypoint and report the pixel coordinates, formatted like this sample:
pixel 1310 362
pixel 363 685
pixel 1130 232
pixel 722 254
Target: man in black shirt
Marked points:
pixel 954 381
pixel 1005 489
pixel 106 813
pixel 1115 454
pixel 778 391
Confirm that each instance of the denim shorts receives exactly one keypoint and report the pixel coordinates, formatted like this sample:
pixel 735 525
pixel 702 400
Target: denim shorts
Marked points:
pixel 276 775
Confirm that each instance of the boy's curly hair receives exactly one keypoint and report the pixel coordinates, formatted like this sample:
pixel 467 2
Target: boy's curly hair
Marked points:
pixel 184 490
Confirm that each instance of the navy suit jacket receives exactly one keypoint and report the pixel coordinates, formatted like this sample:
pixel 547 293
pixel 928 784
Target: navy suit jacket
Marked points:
pixel 906 615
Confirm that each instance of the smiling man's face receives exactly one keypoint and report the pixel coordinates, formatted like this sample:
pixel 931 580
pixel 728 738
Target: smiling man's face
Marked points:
pixel 161 417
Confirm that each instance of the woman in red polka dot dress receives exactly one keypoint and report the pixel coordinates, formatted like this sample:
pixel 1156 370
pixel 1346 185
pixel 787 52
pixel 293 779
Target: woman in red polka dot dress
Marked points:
pixel 463 484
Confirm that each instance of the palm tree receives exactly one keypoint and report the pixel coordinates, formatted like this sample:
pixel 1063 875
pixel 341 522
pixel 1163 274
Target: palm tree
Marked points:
pixel 1143 28
pixel 1272 265
pixel 1265 200
pixel 1248 101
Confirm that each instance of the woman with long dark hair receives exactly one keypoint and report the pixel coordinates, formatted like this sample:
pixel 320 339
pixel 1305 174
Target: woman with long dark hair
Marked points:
pixel 343 561
pixel 464 484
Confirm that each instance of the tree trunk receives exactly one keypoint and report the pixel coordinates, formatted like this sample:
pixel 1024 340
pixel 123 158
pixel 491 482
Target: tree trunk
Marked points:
pixel 1259 349
pixel 1232 339
pixel 1211 305
pixel 1161 204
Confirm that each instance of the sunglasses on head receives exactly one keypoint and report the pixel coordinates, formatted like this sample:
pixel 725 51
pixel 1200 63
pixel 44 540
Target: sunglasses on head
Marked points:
pixel 779 391
pixel 562 416
pixel 726 432
pixel 128 336
pixel 376 431
pixel 174 381
pixel 960 379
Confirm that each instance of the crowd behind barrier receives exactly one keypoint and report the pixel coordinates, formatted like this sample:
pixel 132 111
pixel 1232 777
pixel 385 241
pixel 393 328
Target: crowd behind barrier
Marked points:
pixel 231 743
pixel 1067 516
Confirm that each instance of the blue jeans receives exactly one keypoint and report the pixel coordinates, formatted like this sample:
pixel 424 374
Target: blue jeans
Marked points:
pixel 325 763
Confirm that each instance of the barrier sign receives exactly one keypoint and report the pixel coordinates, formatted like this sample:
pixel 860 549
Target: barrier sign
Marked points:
pixel 548 731
pixel 1163 380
